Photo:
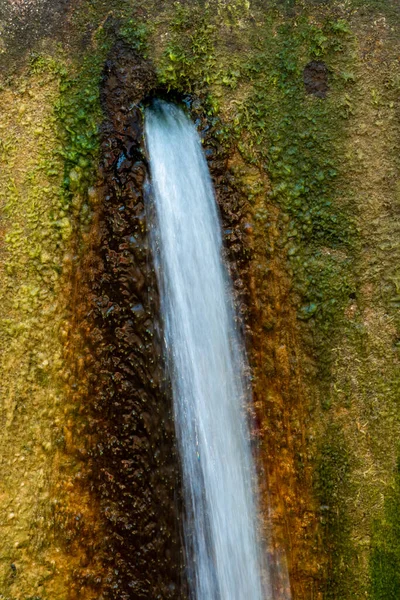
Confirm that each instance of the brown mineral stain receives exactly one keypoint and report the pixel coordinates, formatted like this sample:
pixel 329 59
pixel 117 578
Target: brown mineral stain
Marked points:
pixel 281 407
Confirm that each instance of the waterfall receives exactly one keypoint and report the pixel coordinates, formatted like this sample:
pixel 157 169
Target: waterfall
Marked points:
pixel 206 365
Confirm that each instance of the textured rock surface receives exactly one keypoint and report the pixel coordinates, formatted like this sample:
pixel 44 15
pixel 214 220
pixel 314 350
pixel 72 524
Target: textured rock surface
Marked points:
pixel 307 182
pixel 134 464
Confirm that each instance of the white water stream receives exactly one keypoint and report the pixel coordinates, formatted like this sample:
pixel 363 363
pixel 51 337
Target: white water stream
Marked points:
pixel 206 365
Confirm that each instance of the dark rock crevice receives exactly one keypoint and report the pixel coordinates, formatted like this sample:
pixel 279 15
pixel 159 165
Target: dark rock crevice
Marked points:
pixel 135 474
pixel 316 78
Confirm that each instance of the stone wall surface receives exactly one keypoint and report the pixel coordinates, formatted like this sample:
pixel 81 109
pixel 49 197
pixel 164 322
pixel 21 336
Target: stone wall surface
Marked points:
pixel 297 104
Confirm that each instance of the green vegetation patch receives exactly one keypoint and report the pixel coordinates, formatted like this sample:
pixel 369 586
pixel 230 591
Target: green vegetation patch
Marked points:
pixel 78 114
pixel 332 487
pixel 297 138
pixel 385 548
pixel 188 61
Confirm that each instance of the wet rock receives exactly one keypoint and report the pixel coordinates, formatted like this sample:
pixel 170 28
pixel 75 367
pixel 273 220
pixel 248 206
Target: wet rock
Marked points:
pixel 135 472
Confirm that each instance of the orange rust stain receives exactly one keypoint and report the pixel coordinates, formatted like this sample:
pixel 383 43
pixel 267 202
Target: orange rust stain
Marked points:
pixel 79 549
pixel 281 403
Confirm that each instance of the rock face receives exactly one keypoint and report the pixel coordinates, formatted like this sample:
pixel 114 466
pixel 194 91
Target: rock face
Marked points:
pixel 26 22
pixel 297 105
pixel 133 459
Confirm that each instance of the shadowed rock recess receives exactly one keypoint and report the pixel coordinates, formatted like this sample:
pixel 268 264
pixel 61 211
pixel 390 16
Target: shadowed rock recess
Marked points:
pixel 135 465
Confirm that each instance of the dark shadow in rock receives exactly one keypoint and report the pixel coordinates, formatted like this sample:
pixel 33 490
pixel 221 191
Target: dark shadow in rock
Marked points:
pixel 134 466
pixel 315 77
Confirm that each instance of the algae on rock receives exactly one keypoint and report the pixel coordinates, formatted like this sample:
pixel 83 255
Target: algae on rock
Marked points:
pixel 315 176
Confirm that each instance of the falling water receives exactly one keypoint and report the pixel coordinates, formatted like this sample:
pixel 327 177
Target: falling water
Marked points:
pixel 206 365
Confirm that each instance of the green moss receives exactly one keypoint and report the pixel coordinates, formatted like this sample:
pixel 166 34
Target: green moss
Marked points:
pixel 188 61
pixel 232 11
pixel 297 139
pixel 135 34
pixel 332 483
pixel 78 115
pixel 385 547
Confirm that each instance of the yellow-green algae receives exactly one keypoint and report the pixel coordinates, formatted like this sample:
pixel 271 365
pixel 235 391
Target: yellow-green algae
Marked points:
pixel 333 169
pixel 385 556
pixel 32 315
pixel 48 139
